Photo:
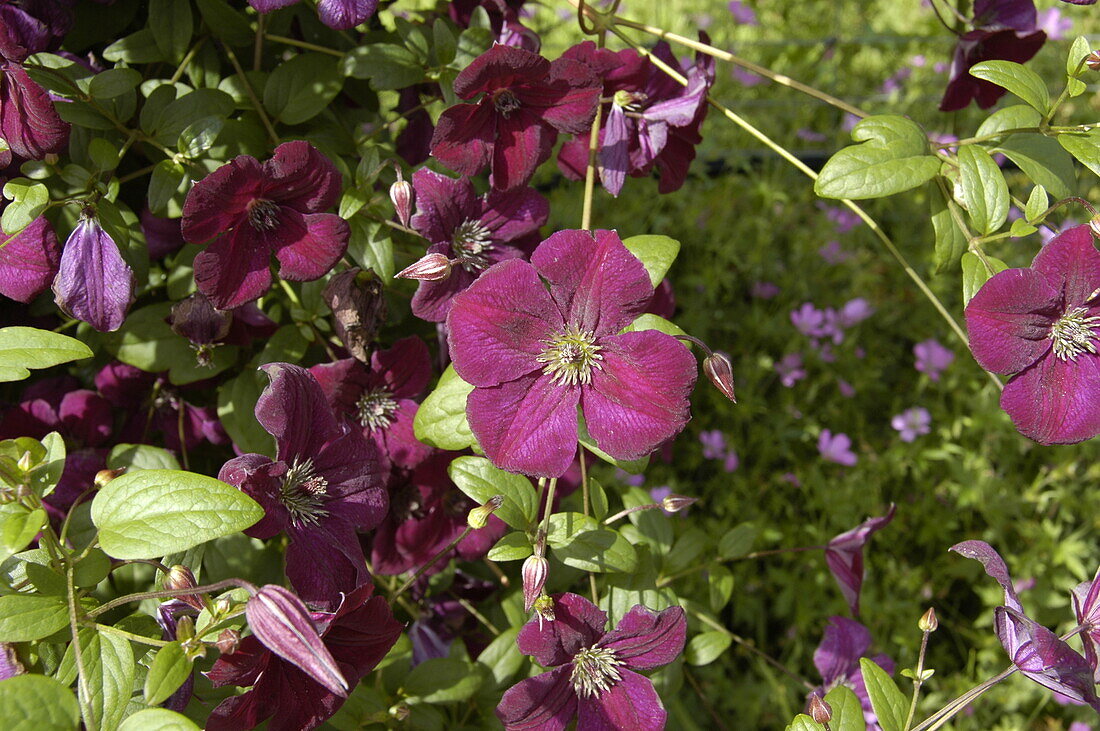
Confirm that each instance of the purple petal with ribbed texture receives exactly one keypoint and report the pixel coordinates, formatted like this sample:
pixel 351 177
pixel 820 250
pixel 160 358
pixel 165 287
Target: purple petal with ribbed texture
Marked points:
pixel 513 214
pixel 28 121
pixel 219 201
pixel 234 268
pixel 1048 660
pixel 844 642
pixel 645 639
pixel 844 556
pixel 1086 609
pixel 615 150
pixel 29 261
pixel 638 399
pixel 259 478
pixel 442 204
pixel 523 142
pixel 577 624
pixel 994 566
pixel 545 702
pixel 500 324
pixel 1071 264
pixel 323 563
pixel 93 282
pixel 405 367
pixel 1056 401
pixel 267 6
pixel 293 410
pixel 631 703
pixel 528 425
pixel 599 285
pixel 307 247
pixel 1009 320
pixel 298 175
pixel 463 138
pixel 680 111
pixel 500 67
pixel 345 14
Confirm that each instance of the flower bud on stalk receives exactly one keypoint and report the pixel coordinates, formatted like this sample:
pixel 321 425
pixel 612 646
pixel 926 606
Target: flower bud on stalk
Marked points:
pixel 401 194
pixel 180 577
pixel 26 462
pixel 535 570
pixel 820 711
pixel 1094 226
pixel 720 372
pixel 928 621
pixel 1093 60
pixel 104 476
pixel 431 268
pixel 228 641
pixel 479 517
pixel 674 503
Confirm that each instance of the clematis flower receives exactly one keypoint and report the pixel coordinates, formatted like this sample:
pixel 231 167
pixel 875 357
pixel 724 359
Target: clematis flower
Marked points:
pixel 844 556
pixel 535 355
pixel 246 211
pixel 336 14
pixel 525 101
pixel 932 358
pixel 1036 651
pixel 837 659
pixel 357 635
pixel 1040 324
pixel 29 261
pixel 593 676
pixel 1086 608
pixel 912 423
pixel 836 448
pixel 473 232
pixel 93 283
pixel 504 21
pixel 29 124
pixel 324 484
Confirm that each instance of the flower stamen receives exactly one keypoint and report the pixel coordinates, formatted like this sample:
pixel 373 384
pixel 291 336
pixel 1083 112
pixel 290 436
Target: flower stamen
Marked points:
pixel 302 493
pixel 570 357
pixel 471 245
pixel 263 214
pixel 375 409
pixel 505 102
pixel 1072 334
pixel 595 670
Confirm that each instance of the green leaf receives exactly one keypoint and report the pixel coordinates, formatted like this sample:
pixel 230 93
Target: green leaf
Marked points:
pixel 847 711
pixel 163 184
pixel 236 411
pixel 199 136
pixel 890 705
pixel 387 65
pixel 150 513
pixel 172 25
pixel 146 341
pixel 975 273
pixel 1016 116
pixel 109 678
pixel 802 722
pixel 1043 160
pixel 226 23
pixel 950 240
pixel 28 201
pixel 514 546
pixel 444 42
pixel 598 495
pixel 1084 147
pixel 141 457
pixel 104 155
pixel 1037 203
pixel 984 190
pixel 705 648
pixel 719 586
pixel 1078 50
pixel 37 703
pixel 176 116
pixel 47 473
pixel 502 658
pixel 19 529
pixel 893 158
pixel 113 82
pixel 649 321
pixel 158 719
pixel 139 47
pixel 1020 227
pixel 480 480
pixel 579 541
pixel 441 420
pixel 371 247
pixel 655 252
pixel 300 88
pixel 737 542
pixel 443 680
pixel 1020 80
pixel 27 617
pixel 22 348
pixel 169 669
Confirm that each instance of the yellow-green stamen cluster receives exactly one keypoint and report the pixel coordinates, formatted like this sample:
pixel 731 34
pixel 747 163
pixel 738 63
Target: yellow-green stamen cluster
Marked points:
pixel 471 244
pixel 570 357
pixel 1072 334
pixel 375 409
pixel 595 670
pixel 302 493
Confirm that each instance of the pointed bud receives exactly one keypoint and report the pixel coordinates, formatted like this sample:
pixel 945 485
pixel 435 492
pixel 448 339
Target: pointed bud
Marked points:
pixel 26 462
pixel 1094 225
pixel 928 621
pixel 358 309
pixel 282 623
pixel 400 711
pixel 1093 60
pixel 222 607
pixel 820 711
pixel 535 570
pixel 180 577
pixel 94 283
pixel 674 503
pixel 185 628
pixel 431 268
pixel 479 517
pixel 228 641
pixel 720 372
pixel 401 193
pixel 104 476
pixel 196 319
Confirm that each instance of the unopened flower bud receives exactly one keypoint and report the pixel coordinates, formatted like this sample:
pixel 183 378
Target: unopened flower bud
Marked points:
pixel 196 319
pixel 535 570
pixel 401 193
pixel 222 607
pixel 430 268
pixel 228 641
pixel 180 577
pixel 479 517
pixel 26 462
pixel 720 372
pixel 104 476
pixel 674 503
pixel 50 158
pixel 1094 224
pixel 185 628
pixel 928 621
pixel 1093 60
pixel 400 711
pixel 358 309
pixel 820 711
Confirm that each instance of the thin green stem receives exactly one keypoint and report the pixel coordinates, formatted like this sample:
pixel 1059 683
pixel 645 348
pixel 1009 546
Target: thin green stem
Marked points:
pixel 465 604
pixel 593 151
pixel 166 593
pixel 255 100
pixel 131 636
pixel 917 681
pixel 303 44
pixel 83 692
pixel 1062 97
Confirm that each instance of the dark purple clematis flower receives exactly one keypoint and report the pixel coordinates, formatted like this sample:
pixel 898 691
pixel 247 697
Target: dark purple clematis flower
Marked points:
pixel 324 484
pixel 844 555
pixel 94 283
pixel 380 399
pixel 246 211
pixel 534 356
pixel 593 676
pixel 336 14
pixel 357 635
pixel 29 261
pixel 837 659
pixel 473 232
pixel 1004 30
pixel 1036 651
pixel 1041 324
pixel 525 101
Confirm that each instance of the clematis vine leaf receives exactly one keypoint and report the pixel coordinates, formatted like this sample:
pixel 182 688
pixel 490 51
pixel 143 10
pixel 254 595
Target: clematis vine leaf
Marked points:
pixel 1017 78
pixel 890 705
pixel 23 348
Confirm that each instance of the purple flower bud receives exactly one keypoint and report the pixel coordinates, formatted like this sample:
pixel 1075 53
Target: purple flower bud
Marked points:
pixel 180 577
pixel 820 711
pixel 281 622
pixel 228 641
pixel 431 268
pixel 401 193
pixel 479 516
pixel 10 666
pixel 196 319
pixel 358 309
pixel 1093 60
pixel 94 283
pixel 674 503
pixel 104 476
pixel 720 372
pixel 928 621
pixel 28 260
pixel 535 570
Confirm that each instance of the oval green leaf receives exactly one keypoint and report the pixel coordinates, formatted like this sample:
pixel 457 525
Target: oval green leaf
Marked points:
pixel 37 703
pixel 23 348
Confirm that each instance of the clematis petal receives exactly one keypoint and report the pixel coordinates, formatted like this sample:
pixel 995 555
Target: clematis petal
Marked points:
pixel 844 642
pixel 267 6
pixel 578 623
pixel 994 565
pixel 307 247
pixel 844 556
pixel 1048 660
pixel 1056 401
pixel 545 702
pixel 259 478
pixel 463 138
pixel 1009 320
pixel 219 201
pixel 405 367
pixel 234 268
pixel 362 631
pixel 399 442
pixel 615 150
pixel 432 300
pixel 242 667
pixel 500 67
pixel 595 280
pixel 675 159
pixel 323 565
pixel 498 326
pixel 1071 264
pixel 645 639
pixel 513 214
pixel 293 410
pixel 442 204
pixel 29 261
pixel 528 425
pixel 523 143
pixel 93 282
pixel 28 121
pixel 298 175
pixel 630 703
pixel 639 398
pixel 345 14
pixel 1086 609
pixel 575 89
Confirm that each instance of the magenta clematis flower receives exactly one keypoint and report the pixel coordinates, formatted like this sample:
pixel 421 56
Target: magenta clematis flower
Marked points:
pixel 525 101
pixel 535 355
pixel 29 261
pixel 1040 324
pixel 912 423
pixel 932 358
pixel 844 556
pixel 336 14
pixel 246 211
pixel 324 484
pixel 837 659
pixel 93 283
pixel 836 448
pixel 357 635
pixel 473 232
pixel 593 676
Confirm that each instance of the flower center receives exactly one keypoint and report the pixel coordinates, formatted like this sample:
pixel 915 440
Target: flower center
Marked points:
pixel 631 101
pixel 375 409
pixel 263 214
pixel 1072 334
pixel 570 357
pixel 505 102
pixel 302 493
pixel 471 246
pixel 595 670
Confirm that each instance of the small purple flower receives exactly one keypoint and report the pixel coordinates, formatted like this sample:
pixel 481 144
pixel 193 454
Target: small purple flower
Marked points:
pixel 846 389
pixel 336 14
pixel 836 448
pixel 805 133
pixel 714 444
pixel 837 659
pixel 809 320
pixel 833 254
pixel 29 261
pixel 731 461
pixel 1040 324
pixel 742 13
pixel 747 78
pixel 628 479
pixel 765 290
pixel 843 219
pixel 593 675
pixel 854 312
pixel 844 556
pixel 534 355
pixel 912 423
pixel 790 369
pixel 932 358
pixel 94 284
pixel 1056 25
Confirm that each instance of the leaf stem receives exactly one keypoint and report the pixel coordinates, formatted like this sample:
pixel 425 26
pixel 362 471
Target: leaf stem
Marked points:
pixel 271 133
pixel 303 44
